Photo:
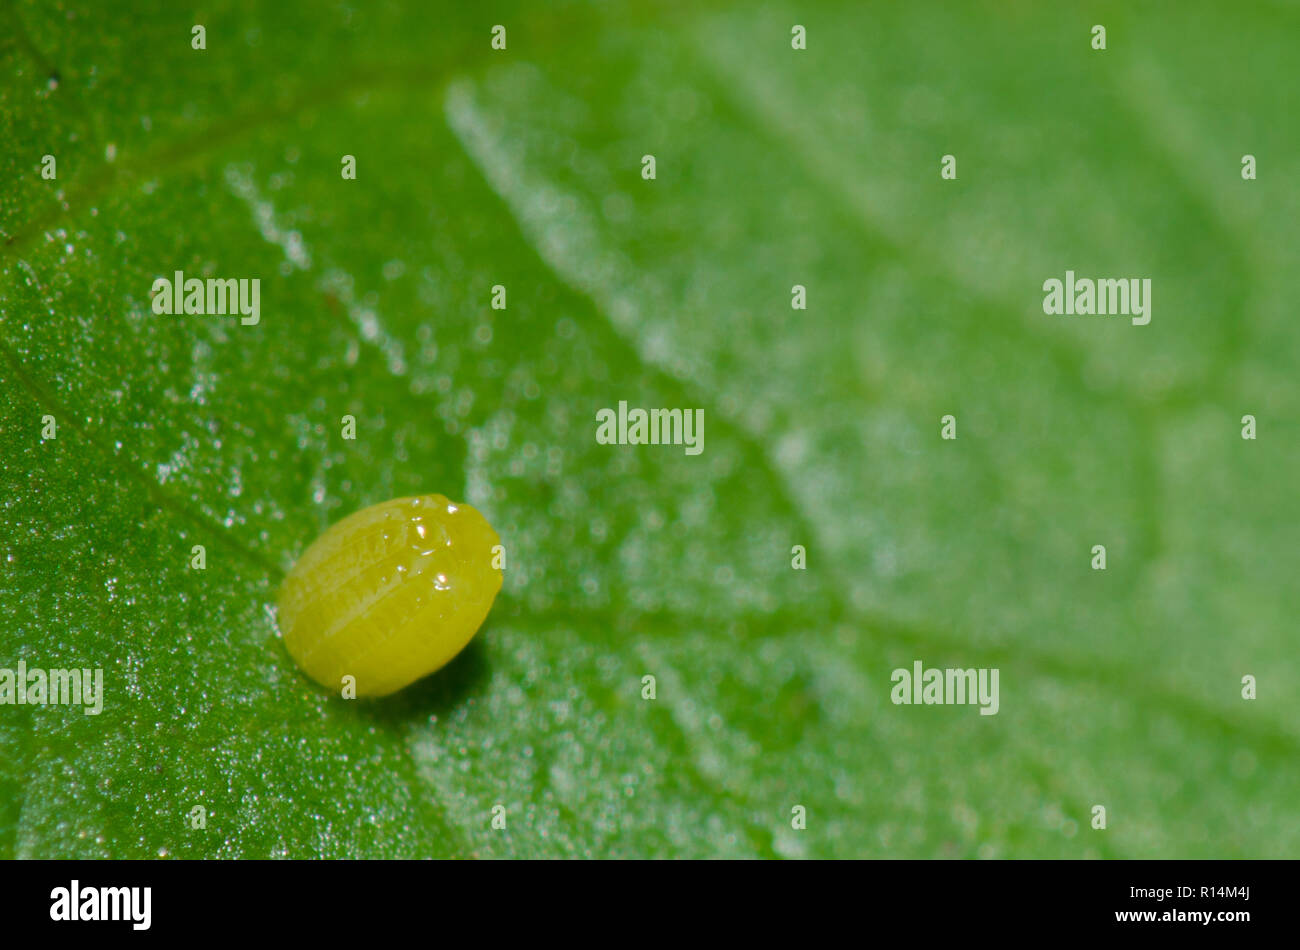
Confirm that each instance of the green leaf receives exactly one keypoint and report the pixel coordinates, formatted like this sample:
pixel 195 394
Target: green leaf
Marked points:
pixel 775 167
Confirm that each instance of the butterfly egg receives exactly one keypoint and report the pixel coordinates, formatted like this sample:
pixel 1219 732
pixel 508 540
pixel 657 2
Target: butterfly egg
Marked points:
pixel 390 594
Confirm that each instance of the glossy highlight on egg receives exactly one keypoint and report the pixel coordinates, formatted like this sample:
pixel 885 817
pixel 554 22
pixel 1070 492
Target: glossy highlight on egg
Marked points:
pixel 390 594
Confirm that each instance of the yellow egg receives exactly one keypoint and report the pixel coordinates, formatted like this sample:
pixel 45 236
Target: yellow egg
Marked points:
pixel 390 594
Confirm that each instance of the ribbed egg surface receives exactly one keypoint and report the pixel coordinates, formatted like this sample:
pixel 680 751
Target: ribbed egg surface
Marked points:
pixel 390 594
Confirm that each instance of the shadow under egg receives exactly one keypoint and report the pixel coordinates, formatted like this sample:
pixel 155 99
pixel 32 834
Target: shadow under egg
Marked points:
pixel 437 694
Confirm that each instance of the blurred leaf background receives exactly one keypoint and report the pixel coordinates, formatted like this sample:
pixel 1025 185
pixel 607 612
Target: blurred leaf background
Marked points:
pixel 775 167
